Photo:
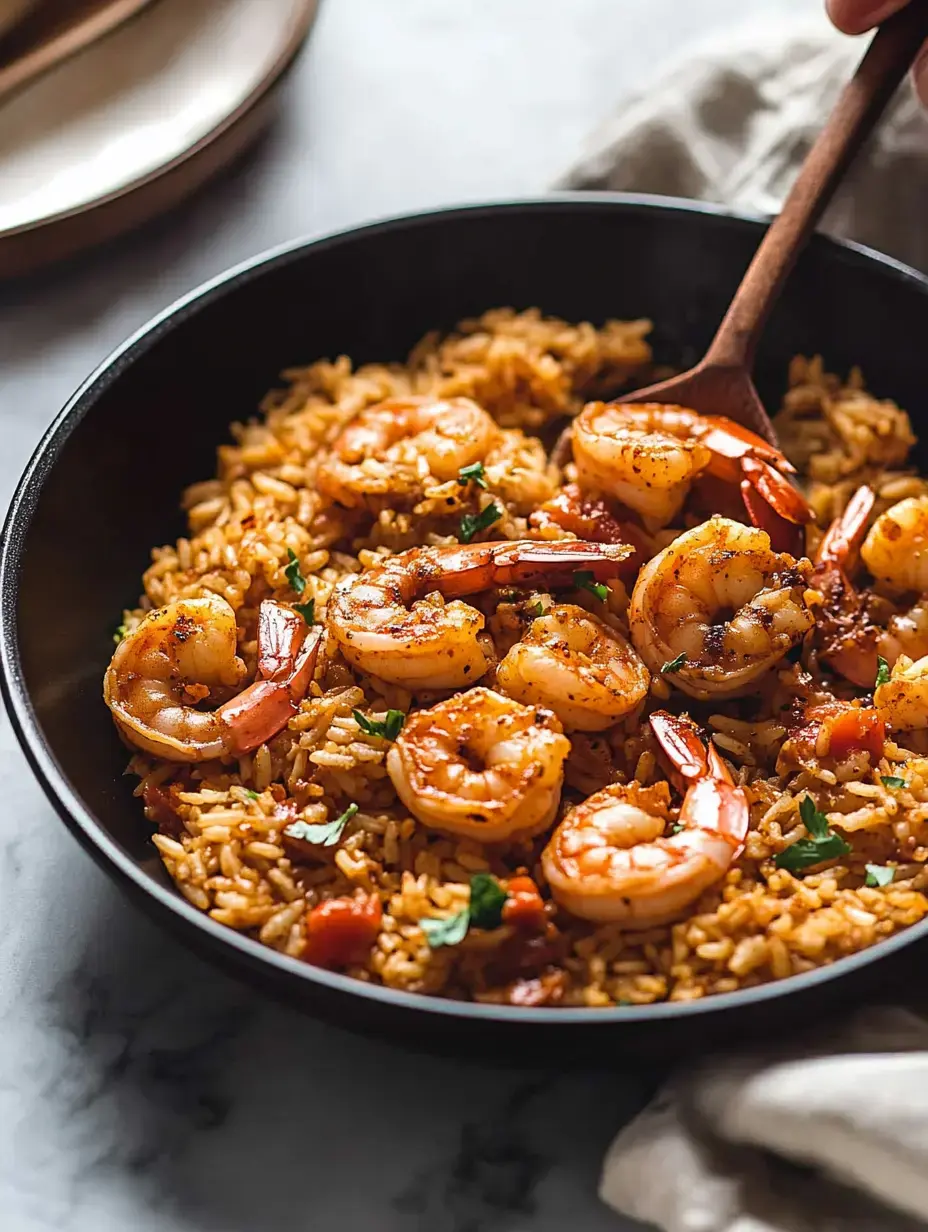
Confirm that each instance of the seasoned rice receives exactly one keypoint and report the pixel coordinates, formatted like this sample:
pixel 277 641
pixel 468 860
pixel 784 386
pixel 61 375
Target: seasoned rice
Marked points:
pixel 223 841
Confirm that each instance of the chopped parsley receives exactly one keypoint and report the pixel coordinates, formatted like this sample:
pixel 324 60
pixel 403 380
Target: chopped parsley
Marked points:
pixel 389 728
pixel 292 573
pixel 583 580
pixel 448 931
pixel 487 897
pixel 473 523
pixel 252 795
pixel 120 634
pixel 475 473
pixel 325 835
pixel 538 609
pixel 882 671
pixel 677 827
pixel 307 610
pixel 879 875
pixel 823 844
pixel 674 665
pixel 892 780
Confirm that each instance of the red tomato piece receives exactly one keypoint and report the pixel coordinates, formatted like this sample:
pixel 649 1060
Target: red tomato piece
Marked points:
pixel 341 931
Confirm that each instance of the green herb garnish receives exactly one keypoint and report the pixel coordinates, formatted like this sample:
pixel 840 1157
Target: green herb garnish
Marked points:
pixel 307 610
pixel 474 473
pixel 892 780
pixel 120 634
pixel 583 580
pixel 538 608
pixel 473 523
pixel 879 875
pixel 448 931
pixel 292 573
pixel 325 835
pixel 389 728
pixel 674 665
pixel 252 795
pixel 823 845
pixel 677 827
pixel 487 897
pixel 882 671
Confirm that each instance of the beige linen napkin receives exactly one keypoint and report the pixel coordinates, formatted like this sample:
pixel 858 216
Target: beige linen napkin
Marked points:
pixel 731 121
pixel 718 1150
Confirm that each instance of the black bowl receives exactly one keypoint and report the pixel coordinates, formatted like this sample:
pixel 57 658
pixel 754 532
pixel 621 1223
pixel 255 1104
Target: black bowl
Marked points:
pixel 104 483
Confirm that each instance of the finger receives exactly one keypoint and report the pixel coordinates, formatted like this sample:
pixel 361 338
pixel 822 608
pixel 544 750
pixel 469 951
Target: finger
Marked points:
pixel 856 16
pixel 920 74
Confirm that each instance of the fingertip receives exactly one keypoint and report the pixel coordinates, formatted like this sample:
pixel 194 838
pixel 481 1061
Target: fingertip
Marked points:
pixel 858 16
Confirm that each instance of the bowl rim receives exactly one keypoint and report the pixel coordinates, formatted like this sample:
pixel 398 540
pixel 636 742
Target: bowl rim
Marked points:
pixel 90 832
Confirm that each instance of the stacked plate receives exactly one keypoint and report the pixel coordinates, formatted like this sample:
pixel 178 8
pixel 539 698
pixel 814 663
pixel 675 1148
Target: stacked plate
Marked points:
pixel 137 120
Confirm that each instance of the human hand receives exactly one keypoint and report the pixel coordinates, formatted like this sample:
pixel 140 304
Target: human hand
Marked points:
pixel 856 16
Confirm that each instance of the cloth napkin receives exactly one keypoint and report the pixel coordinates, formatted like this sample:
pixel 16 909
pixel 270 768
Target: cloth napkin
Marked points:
pixel 731 121
pixel 830 1134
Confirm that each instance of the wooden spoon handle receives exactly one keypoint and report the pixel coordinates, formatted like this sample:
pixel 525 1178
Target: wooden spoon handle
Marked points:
pixel 890 54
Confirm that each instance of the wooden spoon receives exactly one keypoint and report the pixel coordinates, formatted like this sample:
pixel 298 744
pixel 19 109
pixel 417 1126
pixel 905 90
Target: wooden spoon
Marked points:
pixel 720 384
pixel 55 32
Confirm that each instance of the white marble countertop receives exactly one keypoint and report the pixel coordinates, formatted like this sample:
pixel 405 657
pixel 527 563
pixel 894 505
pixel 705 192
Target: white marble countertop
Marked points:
pixel 139 1088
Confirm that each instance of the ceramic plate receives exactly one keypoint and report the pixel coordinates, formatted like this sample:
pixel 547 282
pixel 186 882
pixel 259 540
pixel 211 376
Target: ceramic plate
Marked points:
pixel 135 122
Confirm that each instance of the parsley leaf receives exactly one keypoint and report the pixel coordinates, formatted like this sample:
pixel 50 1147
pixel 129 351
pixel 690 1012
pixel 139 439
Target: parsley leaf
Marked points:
pixel 448 931
pixel 583 580
pixel 879 875
pixel 538 609
pixel 487 897
pixel 325 835
pixel 823 845
pixel 292 573
pixel 389 728
pixel 473 523
pixel 307 610
pixel 882 671
pixel 674 665
pixel 475 472
pixel 120 634
pixel 677 827
pixel 252 795
pixel 892 780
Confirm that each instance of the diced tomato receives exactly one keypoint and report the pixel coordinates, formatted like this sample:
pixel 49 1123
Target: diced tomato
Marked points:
pixel 160 808
pixel 524 906
pixel 342 930
pixel 857 729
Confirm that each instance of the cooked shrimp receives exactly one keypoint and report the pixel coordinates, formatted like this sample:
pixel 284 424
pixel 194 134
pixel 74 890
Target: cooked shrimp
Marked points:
pixel 384 625
pixel 896 549
pixel 184 654
pixel 394 448
pixel 480 765
pixel 611 860
pixel 903 700
pixel 647 456
pixel 856 629
pixel 591 518
pixel 577 666
pixel 717 608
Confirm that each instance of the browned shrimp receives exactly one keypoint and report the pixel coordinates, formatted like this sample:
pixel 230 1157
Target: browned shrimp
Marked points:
pixel 384 624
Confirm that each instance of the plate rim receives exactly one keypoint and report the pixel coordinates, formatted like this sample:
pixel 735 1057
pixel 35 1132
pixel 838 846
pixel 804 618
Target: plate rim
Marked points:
pixel 291 43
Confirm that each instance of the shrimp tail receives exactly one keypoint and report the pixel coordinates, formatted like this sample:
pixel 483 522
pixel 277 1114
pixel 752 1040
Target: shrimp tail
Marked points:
pixel 714 805
pixel 842 541
pixel 681 746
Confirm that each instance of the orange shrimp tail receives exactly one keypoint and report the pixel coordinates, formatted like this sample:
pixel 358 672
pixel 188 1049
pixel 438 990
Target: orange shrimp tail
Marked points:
pixel 682 747
pixel 727 439
pixel 716 806
pixel 785 535
pixel 844 536
pixel 717 767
